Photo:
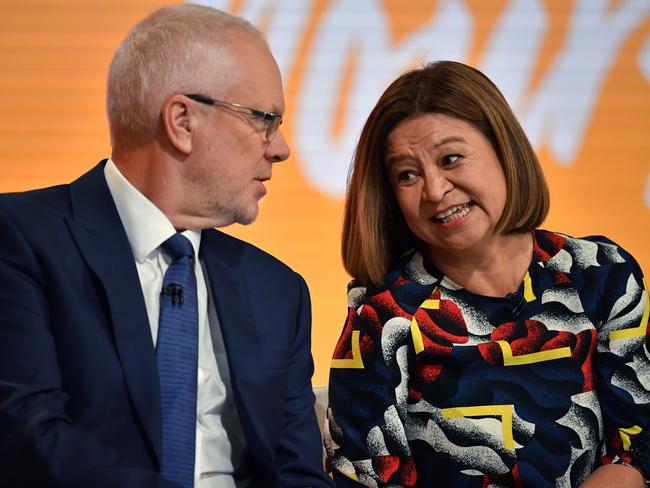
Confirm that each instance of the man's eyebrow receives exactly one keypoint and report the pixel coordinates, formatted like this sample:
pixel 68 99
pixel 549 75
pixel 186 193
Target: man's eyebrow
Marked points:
pixel 395 158
pixel 275 109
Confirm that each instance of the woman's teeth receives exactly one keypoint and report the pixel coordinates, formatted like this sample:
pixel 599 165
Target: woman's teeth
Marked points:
pixel 453 213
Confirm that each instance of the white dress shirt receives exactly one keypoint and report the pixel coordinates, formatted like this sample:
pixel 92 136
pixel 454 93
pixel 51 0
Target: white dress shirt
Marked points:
pixel 219 438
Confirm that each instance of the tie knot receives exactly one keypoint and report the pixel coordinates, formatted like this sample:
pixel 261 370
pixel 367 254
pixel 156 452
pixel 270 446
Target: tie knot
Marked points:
pixel 178 246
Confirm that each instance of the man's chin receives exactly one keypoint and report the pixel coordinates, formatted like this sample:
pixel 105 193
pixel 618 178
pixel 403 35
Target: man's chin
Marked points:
pixel 247 217
pixel 247 221
pixel 227 216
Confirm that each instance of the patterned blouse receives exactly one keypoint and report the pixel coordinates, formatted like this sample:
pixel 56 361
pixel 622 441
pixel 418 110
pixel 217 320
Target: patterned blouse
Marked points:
pixel 432 385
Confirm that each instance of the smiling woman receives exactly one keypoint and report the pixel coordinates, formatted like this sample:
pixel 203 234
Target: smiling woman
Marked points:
pixel 478 349
pixel 451 189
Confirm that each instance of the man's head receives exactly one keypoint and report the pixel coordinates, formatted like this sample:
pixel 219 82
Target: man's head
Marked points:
pixel 173 50
pixel 203 165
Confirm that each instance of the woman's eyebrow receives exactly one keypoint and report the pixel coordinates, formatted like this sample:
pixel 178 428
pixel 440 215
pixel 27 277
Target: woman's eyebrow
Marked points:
pixel 448 140
pixel 395 158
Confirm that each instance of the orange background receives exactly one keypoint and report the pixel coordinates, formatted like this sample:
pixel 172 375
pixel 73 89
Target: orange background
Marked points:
pixel 54 57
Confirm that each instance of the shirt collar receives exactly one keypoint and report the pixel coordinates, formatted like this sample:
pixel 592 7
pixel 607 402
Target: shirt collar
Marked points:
pixel 145 225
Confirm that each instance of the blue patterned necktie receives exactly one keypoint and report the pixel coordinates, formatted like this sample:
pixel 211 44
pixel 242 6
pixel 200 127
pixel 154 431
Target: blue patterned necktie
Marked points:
pixel 176 355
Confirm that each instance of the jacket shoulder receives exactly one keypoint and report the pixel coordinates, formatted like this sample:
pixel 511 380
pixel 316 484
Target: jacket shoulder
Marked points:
pixel 36 202
pixel 236 250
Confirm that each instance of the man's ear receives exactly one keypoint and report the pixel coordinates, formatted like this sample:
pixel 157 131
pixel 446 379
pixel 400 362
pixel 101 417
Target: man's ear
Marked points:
pixel 178 123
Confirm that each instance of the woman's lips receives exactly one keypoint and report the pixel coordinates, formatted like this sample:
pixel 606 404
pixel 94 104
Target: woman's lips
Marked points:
pixel 453 213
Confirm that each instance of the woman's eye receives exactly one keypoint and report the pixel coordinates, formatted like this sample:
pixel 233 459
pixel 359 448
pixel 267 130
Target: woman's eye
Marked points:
pixel 407 175
pixel 450 159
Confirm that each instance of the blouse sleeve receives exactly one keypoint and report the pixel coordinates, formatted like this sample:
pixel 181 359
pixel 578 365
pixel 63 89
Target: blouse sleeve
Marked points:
pixel 623 364
pixel 365 438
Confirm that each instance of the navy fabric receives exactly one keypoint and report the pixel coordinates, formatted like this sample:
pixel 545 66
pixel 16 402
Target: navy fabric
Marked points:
pixel 79 384
pixel 176 356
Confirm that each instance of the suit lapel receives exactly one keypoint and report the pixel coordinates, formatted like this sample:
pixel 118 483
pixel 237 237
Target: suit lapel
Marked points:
pixel 102 241
pixel 222 259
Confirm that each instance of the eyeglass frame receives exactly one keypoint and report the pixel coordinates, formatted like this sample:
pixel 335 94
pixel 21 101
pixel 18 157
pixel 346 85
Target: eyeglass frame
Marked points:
pixel 274 120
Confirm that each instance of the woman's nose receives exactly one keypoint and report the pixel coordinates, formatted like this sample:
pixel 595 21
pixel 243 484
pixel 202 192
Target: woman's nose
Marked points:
pixel 436 186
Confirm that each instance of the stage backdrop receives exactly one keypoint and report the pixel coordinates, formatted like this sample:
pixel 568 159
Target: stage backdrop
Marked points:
pixel 577 73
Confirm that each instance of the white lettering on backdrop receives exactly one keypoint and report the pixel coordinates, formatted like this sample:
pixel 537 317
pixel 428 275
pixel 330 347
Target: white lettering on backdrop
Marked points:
pixel 360 27
pixel 357 34
pixel 561 108
pixel 644 63
pixel 284 22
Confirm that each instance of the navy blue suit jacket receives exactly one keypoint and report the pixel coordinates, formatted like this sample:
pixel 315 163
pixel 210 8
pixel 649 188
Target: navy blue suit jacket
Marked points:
pixel 79 390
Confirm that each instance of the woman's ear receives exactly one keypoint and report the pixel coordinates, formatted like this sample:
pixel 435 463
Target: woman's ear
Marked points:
pixel 178 123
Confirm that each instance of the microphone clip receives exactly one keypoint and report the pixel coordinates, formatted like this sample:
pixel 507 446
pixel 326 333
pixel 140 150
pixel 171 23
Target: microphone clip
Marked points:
pixel 517 303
pixel 175 291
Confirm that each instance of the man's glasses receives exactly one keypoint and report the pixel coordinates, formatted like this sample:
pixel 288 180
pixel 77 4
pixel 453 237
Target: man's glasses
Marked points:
pixel 271 120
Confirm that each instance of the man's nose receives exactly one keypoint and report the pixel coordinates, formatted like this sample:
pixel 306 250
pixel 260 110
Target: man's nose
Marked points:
pixel 277 149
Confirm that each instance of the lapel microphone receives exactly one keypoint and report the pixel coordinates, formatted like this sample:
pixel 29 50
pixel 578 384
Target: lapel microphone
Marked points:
pixel 517 303
pixel 175 291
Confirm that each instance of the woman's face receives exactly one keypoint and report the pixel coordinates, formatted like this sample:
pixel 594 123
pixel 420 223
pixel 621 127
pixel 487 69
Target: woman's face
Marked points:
pixel 448 182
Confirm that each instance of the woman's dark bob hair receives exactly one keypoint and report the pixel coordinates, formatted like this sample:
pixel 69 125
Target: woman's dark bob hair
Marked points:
pixel 374 231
